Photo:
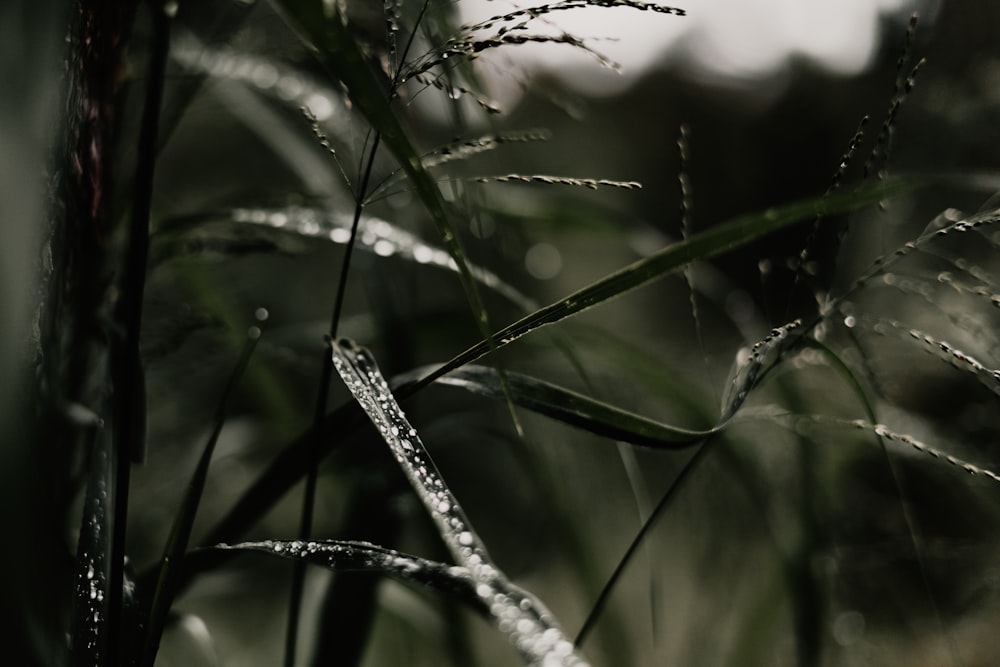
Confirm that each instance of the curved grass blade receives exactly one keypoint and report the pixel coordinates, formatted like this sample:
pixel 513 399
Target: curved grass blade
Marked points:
pixel 761 357
pixel 353 556
pixel 456 581
pixel 709 243
pixel 571 408
pixel 527 623
pixel 288 467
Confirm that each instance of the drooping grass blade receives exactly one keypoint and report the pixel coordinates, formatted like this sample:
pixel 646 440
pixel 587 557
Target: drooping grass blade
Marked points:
pixel 572 408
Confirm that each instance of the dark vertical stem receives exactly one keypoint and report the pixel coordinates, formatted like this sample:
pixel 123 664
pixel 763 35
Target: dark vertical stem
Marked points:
pixel 633 548
pixel 125 365
pixel 322 394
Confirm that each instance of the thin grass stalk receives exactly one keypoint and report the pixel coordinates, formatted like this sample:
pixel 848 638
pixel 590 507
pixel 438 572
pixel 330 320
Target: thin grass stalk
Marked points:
pixel 601 602
pixel 322 396
pixel 180 534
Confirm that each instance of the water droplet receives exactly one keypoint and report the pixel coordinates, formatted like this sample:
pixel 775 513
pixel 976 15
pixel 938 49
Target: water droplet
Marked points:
pixel 170 8
pixel 465 538
pixel 319 106
pixel 384 248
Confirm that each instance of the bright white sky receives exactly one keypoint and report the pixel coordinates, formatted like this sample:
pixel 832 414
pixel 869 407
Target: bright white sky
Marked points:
pixel 727 39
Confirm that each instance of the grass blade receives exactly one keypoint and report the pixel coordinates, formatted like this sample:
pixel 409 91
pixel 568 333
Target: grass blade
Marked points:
pixel 529 626
pixel 180 533
pixel 352 556
pixel 289 466
pixel 675 257
pixel 573 408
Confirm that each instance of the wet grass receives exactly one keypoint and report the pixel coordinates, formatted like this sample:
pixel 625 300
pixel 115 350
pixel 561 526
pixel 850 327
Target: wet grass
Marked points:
pixel 329 357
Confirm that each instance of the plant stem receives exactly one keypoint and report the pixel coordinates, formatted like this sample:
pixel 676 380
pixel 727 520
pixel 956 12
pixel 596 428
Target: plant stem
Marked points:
pixel 125 365
pixel 322 394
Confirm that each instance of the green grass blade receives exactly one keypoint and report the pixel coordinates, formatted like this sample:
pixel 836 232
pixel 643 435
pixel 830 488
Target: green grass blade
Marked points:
pixel 180 533
pixel 573 408
pixel 528 625
pixel 351 556
pixel 675 257
pixel 289 466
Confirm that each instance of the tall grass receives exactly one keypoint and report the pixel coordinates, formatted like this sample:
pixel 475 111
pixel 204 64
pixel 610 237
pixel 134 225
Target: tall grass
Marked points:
pixel 292 401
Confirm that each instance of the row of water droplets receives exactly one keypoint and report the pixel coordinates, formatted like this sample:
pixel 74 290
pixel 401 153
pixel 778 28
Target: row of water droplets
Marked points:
pixel 262 74
pixel 880 266
pixel 93 564
pixel 375 235
pixel 885 432
pixel 363 556
pixel 926 286
pixel 989 377
pixel 528 625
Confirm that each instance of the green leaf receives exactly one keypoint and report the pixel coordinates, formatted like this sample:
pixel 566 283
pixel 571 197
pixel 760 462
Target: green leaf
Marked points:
pixel 351 556
pixel 710 243
pixel 572 408
pixel 528 625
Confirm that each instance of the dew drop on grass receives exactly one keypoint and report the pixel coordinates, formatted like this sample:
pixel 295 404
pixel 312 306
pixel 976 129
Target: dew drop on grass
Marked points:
pixel 319 106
